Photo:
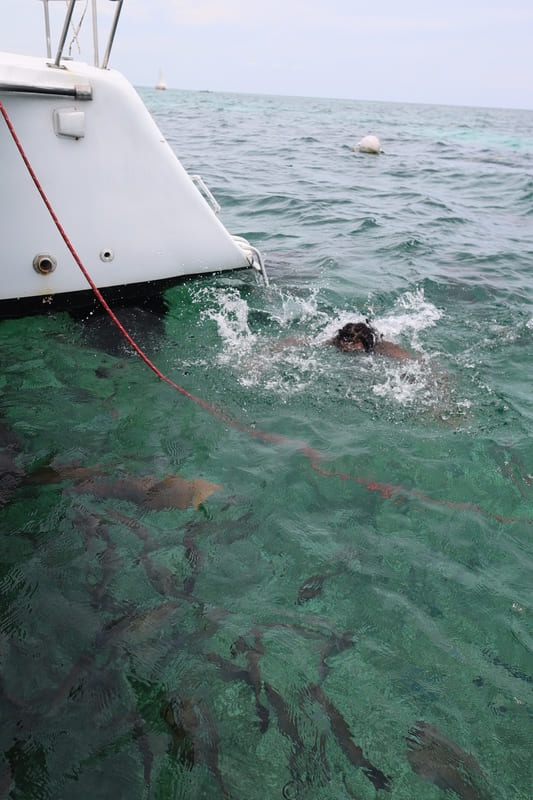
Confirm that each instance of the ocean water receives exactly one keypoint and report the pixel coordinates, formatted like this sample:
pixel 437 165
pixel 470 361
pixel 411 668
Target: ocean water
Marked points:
pixel 332 596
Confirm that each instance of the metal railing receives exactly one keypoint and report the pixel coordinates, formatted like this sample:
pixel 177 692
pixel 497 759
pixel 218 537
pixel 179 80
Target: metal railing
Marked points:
pixel 66 25
pixel 206 192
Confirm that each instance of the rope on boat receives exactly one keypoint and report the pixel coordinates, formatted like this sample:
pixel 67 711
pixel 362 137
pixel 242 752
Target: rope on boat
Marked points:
pixel 386 490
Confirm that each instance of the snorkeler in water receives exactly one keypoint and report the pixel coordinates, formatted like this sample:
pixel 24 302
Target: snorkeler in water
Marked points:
pixel 362 337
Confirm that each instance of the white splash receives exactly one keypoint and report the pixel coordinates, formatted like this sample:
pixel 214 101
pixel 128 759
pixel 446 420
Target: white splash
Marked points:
pixel 406 383
pixel 270 358
pixel 412 314
pixel 230 313
pixel 288 308
pixel 416 381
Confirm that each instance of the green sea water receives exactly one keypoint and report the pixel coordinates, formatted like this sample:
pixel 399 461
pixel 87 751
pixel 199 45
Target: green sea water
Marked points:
pixel 347 610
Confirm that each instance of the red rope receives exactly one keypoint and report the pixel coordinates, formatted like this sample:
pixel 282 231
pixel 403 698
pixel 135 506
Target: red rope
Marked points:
pixel 386 490
pixel 394 492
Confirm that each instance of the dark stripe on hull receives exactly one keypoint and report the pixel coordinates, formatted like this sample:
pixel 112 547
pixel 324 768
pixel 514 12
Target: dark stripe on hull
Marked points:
pixel 85 300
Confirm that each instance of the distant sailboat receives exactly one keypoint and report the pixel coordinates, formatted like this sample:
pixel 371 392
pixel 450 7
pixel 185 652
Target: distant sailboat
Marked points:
pixel 161 83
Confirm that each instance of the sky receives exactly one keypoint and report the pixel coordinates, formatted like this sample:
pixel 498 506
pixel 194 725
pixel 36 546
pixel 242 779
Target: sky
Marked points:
pixel 451 52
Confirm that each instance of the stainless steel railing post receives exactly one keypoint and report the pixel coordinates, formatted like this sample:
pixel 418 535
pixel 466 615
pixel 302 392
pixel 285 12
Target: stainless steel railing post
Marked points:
pixel 112 35
pixel 64 33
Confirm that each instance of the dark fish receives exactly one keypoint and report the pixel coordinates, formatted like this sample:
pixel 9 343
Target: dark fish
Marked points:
pixel 193 554
pixel 341 731
pixel 286 720
pixel 173 491
pixel 11 475
pixel 102 649
pixel 254 653
pixel 95 533
pixel 442 762
pixel 195 737
pixel 162 579
pixel 288 728
pixel 182 737
pixel 42 476
pixel 332 646
pixel 512 670
pixel 140 736
pixel 311 587
pixel 251 675
pixel 308 764
pixel 130 632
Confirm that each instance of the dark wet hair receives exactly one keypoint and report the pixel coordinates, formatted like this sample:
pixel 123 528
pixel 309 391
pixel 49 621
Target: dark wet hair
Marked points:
pixel 357 332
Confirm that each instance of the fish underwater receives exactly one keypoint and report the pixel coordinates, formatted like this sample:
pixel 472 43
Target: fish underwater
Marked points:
pixel 341 731
pixel 11 474
pixel 312 587
pixel 437 759
pixel 173 491
pixel 195 736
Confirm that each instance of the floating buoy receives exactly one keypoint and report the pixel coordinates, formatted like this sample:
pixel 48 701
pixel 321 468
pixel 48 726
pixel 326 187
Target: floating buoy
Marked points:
pixel 369 144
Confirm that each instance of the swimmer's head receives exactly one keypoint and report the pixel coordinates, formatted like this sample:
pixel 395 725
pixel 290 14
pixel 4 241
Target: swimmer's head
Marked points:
pixel 356 336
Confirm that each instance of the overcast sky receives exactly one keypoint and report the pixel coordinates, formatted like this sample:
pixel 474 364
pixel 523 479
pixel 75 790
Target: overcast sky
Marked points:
pixel 464 52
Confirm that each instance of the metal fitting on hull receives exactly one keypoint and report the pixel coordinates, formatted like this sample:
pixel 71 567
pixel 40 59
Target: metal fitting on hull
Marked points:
pixel 44 264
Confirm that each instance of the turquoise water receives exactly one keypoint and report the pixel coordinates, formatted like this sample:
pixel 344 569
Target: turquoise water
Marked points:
pixel 344 609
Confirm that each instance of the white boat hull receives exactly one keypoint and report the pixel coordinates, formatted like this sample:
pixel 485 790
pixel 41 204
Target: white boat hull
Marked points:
pixel 130 210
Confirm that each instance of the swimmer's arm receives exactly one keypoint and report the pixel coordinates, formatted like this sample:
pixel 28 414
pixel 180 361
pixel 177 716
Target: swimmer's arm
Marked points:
pixel 290 341
pixel 392 350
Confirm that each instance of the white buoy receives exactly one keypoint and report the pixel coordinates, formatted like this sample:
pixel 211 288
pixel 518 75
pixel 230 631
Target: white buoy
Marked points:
pixel 369 144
